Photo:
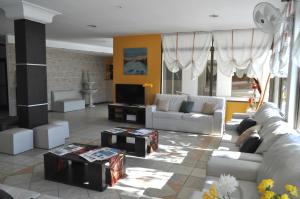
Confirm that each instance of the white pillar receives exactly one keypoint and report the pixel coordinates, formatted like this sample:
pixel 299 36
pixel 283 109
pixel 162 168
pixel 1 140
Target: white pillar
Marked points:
pixel 189 86
pixel 223 85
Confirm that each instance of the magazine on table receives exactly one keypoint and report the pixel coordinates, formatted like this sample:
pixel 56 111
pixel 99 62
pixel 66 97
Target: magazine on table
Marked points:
pixel 142 132
pixel 99 154
pixel 116 130
pixel 65 149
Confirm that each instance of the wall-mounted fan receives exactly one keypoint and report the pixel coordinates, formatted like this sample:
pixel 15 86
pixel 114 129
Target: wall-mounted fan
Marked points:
pixel 267 17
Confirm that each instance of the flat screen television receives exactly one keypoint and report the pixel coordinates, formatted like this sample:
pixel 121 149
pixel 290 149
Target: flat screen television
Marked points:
pixel 133 94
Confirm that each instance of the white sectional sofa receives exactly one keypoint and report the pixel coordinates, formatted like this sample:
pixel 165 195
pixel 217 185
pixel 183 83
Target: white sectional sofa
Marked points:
pixel 194 122
pixel 65 101
pixel 277 157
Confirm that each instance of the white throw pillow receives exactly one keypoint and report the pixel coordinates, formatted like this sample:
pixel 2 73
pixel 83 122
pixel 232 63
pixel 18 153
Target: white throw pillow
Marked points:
pixel 282 163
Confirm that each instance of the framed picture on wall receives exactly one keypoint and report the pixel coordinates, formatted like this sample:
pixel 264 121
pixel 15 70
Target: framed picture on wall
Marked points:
pixel 135 61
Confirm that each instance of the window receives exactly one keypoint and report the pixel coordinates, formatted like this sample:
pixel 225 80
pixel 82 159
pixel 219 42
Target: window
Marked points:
pixel 241 86
pixel 171 82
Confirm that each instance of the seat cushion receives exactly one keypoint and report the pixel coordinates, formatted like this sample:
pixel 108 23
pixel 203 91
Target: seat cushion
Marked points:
pixel 230 136
pixel 197 117
pixel 168 115
pixel 237 155
pixel 246 189
pixel 228 146
pixel 282 162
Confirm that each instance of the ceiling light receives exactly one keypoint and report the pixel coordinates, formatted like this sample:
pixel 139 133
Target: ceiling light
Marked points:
pixel 213 16
pixel 118 6
pixel 92 26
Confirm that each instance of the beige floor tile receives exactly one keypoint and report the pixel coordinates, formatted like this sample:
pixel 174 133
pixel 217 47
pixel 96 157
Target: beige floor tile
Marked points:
pixel 201 173
pixel 178 169
pixel 194 182
pixel 186 193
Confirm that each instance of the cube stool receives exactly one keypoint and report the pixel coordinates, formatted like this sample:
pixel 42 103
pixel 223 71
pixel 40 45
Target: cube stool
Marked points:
pixel 65 125
pixel 16 140
pixel 48 136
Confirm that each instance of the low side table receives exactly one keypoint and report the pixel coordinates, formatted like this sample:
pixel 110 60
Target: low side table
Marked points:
pixel 74 170
pixel 143 143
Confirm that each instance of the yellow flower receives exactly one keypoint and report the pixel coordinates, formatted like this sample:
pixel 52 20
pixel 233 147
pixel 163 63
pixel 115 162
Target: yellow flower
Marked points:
pixel 265 185
pixel 206 196
pixel 213 191
pixel 292 190
pixel 269 195
pixel 284 196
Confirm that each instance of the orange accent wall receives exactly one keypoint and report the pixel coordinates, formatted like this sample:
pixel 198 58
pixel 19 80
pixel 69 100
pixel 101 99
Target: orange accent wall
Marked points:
pixel 153 44
pixel 235 107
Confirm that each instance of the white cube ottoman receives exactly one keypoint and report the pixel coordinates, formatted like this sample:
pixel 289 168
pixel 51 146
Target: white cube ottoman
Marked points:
pixel 65 125
pixel 16 140
pixel 48 136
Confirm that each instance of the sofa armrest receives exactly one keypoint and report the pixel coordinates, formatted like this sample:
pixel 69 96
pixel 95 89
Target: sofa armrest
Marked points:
pixel 241 169
pixel 241 115
pixel 149 115
pixel 219 117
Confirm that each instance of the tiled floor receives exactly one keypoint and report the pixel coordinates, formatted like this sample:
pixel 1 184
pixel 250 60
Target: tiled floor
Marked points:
pixel 174 171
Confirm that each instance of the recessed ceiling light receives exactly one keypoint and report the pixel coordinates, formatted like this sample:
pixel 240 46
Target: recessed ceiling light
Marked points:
pixel 213 16
pixel 92 26
pixel 118 6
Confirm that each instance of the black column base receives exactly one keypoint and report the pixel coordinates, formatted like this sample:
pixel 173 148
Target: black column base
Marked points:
pixel 33 116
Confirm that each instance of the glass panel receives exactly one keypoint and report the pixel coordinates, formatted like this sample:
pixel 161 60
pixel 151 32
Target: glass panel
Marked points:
pixel 171 81
pixel 241 86
pixel 205 78
pixel 282 94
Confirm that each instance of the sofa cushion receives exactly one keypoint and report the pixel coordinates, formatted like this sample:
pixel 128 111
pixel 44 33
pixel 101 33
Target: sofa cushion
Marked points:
pixel 163 104
pixel 169 115
pixel 228 146
pixel 237 155
pixel 186 107
pixel 174 100
pixel 265 112
pixel 200 100
pixel 197 117
pixel 251 144
pixel 271 132
pixel 246 189
pixel 246 134
pixel 208 108
pixel 230 136
pixel 282 162
pixel 241 169
pixel 18 193
pixel 245 124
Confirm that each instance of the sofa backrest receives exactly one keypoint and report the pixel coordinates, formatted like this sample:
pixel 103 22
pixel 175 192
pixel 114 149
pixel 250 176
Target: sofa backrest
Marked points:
pixel 282 162
pixel 267 111
pixel 175 101
pixel 271 131
pixel 200 100
pixel 65 95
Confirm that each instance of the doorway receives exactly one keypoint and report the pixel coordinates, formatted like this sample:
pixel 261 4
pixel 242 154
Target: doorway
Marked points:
pixel 4 107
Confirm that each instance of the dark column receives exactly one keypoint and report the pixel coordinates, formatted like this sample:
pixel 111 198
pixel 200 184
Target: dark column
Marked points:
pixel 32 106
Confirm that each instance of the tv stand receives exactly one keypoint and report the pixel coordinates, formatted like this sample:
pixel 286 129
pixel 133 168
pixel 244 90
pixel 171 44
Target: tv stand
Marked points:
pixel 126 113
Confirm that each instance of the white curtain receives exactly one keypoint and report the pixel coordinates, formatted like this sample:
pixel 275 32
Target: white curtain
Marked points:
pixel 185 50
pixel 244 51
pixel 296 51
pixel 281 49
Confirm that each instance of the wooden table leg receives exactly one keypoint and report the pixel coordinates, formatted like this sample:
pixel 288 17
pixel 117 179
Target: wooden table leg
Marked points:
pixel 96 177
pixel 106 139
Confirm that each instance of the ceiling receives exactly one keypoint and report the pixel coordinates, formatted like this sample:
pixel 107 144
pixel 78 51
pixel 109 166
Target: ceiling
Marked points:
pixel 125 17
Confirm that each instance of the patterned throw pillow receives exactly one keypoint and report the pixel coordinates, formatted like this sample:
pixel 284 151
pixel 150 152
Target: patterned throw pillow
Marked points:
pixel 246 134
pixel 163 104
pixel 208 108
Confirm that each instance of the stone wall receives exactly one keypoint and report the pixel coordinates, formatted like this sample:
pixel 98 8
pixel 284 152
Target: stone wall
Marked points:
pixel 64 72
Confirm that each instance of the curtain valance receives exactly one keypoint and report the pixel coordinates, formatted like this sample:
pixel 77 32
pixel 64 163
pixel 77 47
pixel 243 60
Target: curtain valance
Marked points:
pixel 243 51
pixel 185 50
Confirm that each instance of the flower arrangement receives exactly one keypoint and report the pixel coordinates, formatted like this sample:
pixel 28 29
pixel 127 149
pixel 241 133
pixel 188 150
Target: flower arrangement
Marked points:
pixel 222 189
pixel 265 190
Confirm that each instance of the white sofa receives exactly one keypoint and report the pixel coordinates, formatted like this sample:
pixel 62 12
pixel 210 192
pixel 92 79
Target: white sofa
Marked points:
pixel 277 157
pixel 194 122
pixel 65 101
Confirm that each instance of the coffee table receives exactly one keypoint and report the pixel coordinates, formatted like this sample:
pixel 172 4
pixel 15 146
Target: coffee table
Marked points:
pixel 143 143
pixel 74 170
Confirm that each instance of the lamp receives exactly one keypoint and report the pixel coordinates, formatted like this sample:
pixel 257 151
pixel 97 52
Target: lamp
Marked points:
pixel 147 87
